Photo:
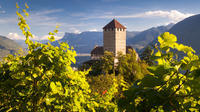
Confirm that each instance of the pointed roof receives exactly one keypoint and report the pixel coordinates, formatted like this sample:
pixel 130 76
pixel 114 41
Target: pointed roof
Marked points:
pixel 114 24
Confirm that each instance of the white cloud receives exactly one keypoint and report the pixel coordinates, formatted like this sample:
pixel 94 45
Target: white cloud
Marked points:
pixel 93 30
pixel 46 12
pixel 74 30
pixel 44 18
pixel 15 36
pixel 8 20
pixel 77 31
pixel 173 15
pixel 2 12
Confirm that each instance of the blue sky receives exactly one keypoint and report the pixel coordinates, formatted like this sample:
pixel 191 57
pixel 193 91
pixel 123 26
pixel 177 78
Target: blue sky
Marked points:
pixel 91 15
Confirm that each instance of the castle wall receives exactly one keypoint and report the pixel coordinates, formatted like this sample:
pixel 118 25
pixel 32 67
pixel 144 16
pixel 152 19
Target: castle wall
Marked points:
pixel 109 40
pixel 120 41
pixel 115 40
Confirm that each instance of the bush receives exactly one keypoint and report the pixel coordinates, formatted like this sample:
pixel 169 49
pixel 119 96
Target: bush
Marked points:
pixel 172 85
pixel 43 80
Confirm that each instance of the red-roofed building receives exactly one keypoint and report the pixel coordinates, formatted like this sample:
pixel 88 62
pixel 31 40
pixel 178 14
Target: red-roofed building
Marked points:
pixel 114 40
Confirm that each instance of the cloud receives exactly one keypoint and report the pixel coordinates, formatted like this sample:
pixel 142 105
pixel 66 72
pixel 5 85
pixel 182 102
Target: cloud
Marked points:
pixel 2 12
pixel 74 30
pixel 93 30
pixel 173 15
pixel 46 12
pixel 15 36
pixel 6 20
pixel 39 18
pixel 77 31
pixel 45 17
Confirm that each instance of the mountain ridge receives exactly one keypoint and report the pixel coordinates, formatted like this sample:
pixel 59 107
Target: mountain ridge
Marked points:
pixel 8 46
pixel 86 41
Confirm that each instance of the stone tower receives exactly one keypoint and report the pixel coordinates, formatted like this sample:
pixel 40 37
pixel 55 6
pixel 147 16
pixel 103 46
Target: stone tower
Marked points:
pixel 114 37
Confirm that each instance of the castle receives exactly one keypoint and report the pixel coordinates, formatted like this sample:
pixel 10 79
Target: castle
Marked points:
pixel 114 40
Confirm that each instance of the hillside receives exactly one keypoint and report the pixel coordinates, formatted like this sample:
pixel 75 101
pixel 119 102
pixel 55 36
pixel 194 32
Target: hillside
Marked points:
pixel 7 46
pixel 145 37
pixel 188 32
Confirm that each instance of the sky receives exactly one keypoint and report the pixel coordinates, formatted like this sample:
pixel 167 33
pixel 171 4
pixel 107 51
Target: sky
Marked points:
pixel 77 16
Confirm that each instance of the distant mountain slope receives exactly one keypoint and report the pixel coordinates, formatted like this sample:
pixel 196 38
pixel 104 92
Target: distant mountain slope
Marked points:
pixel 144 38
pixel 86 41
pixel 83 42
pixel 188 32
pixel 24 45
pixel 7 46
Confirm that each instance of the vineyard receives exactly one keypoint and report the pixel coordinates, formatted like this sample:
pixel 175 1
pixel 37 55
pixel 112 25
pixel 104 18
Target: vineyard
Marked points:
pixel 43 79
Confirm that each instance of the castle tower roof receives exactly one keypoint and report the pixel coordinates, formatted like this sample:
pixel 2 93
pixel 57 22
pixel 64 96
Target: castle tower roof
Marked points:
pixel 114 24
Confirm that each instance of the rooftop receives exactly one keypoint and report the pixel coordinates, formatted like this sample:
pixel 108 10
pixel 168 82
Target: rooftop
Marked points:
pixel 114 24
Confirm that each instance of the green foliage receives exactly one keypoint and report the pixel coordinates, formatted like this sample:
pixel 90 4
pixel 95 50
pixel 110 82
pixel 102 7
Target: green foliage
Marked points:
pixel 102 83
pixel 94 65
pixel 43 80
pixel 131 67
pixel 108 62
pixel 146 55
pixel 103 66
pixel 172 85
pixel 105 87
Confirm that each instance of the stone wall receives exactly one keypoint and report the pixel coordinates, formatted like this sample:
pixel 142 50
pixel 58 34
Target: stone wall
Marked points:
pixel 120 41
pixel 115 40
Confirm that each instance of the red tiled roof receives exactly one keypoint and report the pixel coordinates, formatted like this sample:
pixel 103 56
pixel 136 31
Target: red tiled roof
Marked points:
pixel 99 50
pixel 114 24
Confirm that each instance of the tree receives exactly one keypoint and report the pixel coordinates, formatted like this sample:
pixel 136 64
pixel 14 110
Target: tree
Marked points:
pixel 108 63
pixel 131 67
pixel 146 55
pixel 173 83
pixel 43 80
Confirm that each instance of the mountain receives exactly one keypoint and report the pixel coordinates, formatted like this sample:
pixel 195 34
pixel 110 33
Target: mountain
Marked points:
pixel 188 32
pixel 24 45
pixel 83 42
pixel 145 37
pixel 86 41
pixel 8 46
